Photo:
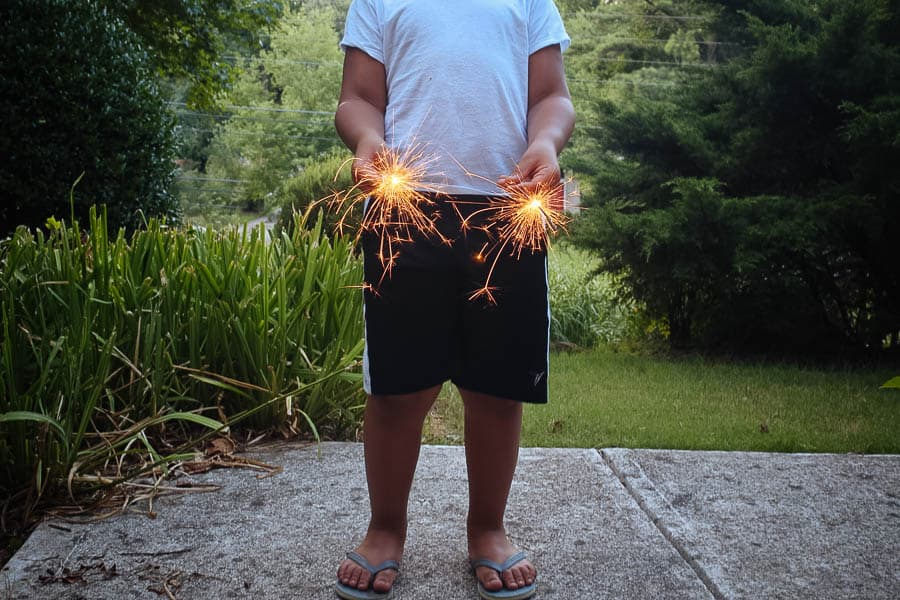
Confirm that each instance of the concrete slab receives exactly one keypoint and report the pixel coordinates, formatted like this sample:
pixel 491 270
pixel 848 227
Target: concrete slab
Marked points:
pixel 759 525
pixel 283 536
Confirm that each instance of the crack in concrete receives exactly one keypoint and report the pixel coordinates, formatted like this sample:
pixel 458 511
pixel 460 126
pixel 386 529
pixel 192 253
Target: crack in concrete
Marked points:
pixel 661 526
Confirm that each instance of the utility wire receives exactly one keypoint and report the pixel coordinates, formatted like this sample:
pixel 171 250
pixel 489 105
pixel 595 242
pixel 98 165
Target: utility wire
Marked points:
pixel 601 39
pixel 290 61
pixel 267 135
pixel 623 82
pixel 656 62
pixel 310 62
pixel 267 109
pixel 197 113
pixel 211 190
pixel 635 16
pixel 192 178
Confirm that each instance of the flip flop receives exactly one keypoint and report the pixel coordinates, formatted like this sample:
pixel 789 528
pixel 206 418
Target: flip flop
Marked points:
pixel 349 593
pixel 505 594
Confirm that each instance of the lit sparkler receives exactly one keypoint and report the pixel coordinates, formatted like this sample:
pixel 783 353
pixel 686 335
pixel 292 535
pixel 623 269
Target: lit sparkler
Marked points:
pixel 524 219
pixel 398 194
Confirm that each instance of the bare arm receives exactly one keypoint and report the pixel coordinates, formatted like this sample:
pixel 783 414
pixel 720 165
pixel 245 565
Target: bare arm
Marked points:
pixel 551 118
pixel 359 118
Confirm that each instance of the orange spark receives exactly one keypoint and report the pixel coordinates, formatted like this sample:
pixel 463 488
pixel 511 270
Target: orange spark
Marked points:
pixel 523 219
pixel 395 184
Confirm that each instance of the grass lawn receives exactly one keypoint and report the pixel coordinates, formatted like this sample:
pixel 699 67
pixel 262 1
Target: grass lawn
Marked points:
pixel 600 398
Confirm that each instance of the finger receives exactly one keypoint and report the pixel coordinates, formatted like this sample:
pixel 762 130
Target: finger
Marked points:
pixel 363 170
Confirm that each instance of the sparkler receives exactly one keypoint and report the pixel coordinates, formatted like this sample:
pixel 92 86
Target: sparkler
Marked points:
pixel 396 186
pixel 398 194
pixel 522 220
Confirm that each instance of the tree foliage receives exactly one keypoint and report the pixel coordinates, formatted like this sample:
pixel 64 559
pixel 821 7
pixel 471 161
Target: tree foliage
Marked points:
pixel 188 39
pixel 311 190
pixel 77 97
pixel 279 117
pixel 750 199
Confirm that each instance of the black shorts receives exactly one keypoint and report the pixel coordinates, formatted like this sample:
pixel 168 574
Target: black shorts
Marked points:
pixel 422 328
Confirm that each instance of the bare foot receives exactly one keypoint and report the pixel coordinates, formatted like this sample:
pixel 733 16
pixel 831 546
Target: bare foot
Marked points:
pixel 494 545
pixel 377 547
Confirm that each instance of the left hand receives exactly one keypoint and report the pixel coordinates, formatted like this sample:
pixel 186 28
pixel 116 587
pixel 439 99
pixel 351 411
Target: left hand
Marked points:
pixel 538 168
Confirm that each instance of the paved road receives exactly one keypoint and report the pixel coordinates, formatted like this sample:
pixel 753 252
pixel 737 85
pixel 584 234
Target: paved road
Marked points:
pixel 613 523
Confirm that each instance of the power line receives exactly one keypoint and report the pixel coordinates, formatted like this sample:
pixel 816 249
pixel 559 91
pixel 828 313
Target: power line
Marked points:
pixel 602 39
pixel 267 109
pixel 641 61
pixel 267 135
pixel 289 61
pixel 636 16
pixel 192 178
pixel 211 190
pixel 619 39
pixel 246 118
pixel 623 82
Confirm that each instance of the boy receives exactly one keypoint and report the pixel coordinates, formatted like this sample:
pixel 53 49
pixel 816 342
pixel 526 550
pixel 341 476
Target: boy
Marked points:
pixel 480 84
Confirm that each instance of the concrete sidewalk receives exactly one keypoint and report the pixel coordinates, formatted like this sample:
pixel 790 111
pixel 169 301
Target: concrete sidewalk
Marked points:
pixel 615 523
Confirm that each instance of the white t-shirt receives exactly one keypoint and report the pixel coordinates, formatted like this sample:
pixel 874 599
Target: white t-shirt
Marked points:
pixel 457 79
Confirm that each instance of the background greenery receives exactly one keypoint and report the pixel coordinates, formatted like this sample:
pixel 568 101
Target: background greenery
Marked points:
pixel 737 161
pixel 741 180
pixel 106 339
pixel 78 99
pixel 606 398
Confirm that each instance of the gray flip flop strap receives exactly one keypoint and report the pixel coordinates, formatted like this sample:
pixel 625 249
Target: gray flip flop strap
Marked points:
pixel 509 562
pixel 361 561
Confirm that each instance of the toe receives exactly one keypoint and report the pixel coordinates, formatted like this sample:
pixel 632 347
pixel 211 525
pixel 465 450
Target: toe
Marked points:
pixel 384 581
pixel 509 579
pixel 363 580
pixel 345 572
pixel 489 579
pixel 355 577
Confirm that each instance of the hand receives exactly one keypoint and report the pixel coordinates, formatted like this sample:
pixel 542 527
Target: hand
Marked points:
pixel 538 168
pixel 364 162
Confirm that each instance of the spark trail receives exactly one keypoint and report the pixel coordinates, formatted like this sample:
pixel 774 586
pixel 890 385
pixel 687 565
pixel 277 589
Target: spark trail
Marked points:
pixel 398 196
pixel 524 219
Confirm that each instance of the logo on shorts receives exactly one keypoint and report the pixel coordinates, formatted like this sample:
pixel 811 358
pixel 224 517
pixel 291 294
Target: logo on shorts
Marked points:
pixel 538 376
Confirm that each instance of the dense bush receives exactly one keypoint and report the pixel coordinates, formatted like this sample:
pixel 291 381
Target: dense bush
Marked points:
pixel 110 336
pixel 584 310
pixel 311 189
pixel 77 96
pixel 753 203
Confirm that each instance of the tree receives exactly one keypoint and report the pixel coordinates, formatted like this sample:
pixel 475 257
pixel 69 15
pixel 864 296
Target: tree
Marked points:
pixel 78 99
pixel 751 202
pixel 187 39
pixel 279 116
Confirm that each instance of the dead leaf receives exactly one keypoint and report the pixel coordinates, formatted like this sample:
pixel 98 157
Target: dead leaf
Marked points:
pixel 220 446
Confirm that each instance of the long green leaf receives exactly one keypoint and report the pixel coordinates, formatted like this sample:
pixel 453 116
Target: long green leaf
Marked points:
pixel 24 415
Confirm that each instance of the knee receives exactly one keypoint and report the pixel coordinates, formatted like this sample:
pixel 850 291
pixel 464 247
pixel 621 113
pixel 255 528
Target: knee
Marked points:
pixel 487 404
pixel 416 403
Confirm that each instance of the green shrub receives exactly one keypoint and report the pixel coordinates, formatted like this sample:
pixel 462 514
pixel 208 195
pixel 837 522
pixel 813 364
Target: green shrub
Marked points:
pixel 583 306
pixel 103 339
pixel 77 96
pixel 753 206
pixel 311 188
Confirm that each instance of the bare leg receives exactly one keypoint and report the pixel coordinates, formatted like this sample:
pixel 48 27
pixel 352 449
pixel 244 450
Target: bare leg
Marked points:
pixel 392 436
pixel 492 449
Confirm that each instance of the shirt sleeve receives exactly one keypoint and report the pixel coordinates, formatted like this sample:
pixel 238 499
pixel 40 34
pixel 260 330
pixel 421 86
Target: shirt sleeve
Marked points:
pixel 363 29
pixel 545 26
